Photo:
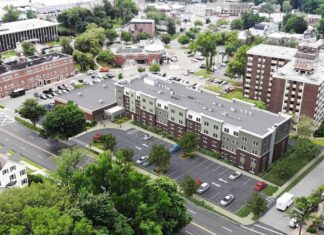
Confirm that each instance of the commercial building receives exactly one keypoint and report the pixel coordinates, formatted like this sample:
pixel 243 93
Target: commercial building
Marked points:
pixel 137 26
pixel 263 29
pixel 288 80
pixel 12 174
pixel 34 71
pixel 92 100
pixel 19 31
pixel 249 137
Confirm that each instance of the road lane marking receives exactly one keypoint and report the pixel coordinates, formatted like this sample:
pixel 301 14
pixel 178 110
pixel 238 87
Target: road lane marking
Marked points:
pixel 202 162
pixel 227 229
pixel 220 179
pixel 246 181
pixel 189 232
pixel 268 229
pixel 252 230
pixel 217 185
pixel 192 212
pixel 48 145
pixel 203 228
pixel 178 176
pixel 145 145
pixel 223 172
pixel 195 160
pixel 138 148
pixel 214 196
pixel 209 165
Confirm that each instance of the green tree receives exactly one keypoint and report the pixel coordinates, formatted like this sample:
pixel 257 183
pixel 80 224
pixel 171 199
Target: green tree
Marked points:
pixel 250 19
pixel 160 156
pixel 171 27
pixel 142 36
pixel 295 24
pixel 127 9
pixel 305 126
pixel 221 22
pixel 286 7
pixel 283 169
pixel 11 14
pixel 166 39
pixel 84 59
pixel 120 76
pixel 106 56
pixel 237 24
pixel 126 36
pixel 257 204
pixel 141 69
pixel 154 68
pixel 188 186
pixel 207 20
pixel 64 121
pixel 65 43
pixel 68 163
pixel 32 111
pixel 28 48
pixel 1 59
pixel 237 64
pixel 320 28
pixel 206 43
pixel 295 3
pixel 320 131
pixel 188 143
pixel 305 148
pixel 124 155
pixel 183 39
pixel 198 23
pixel 267 8
pixel 109 142
pixel 111 35
pixel 31 14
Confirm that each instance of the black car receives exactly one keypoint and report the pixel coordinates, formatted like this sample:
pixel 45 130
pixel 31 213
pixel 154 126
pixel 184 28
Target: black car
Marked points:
pixel 202 66
pixel 146 164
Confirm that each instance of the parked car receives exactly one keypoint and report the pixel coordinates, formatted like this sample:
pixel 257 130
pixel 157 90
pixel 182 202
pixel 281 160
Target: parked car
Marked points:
pixel 174 148
pixel 259 186
pixel 293 222
pixel 141 160
pixel 60 92
pixel 146 163
pixel 190 71
pixel 227 200
pixel 147 137
pixel 235 175
pixel 202 66
pixel 49 96
pixel 223 65
pixel 203 188
pixel 284 201
pixel 90 72
pixel 43 97
pixel 200 58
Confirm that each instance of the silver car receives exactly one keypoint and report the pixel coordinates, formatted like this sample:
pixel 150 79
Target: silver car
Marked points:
pixel 141 160
pixel 227 200
pixel 203 188
pixel 235 175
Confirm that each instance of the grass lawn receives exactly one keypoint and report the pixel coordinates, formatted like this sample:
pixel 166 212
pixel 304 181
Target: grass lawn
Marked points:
pixel 97 145
pixel 237 93
pixel 79 85
pixel 1 146
pixel 270 190
pixel 204 73
pixel 11 152
pixel 213 88
pixel 318 141
pixel 52 43
pixel 121 120
pixel 244 211
pixel 2 106
pixel 31 163
pixel 8 54
pixel 88 152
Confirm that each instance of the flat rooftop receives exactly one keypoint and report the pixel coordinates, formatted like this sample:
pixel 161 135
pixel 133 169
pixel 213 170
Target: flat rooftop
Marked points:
pixel 288 72
pixel 141 21
pixel 286 53
pixel 123 50
pixel 233 112
pixel 92 97
pixel 30 62
pixel 24 25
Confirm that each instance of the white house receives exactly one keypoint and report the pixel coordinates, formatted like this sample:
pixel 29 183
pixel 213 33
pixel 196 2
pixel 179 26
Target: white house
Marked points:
pixel 12 174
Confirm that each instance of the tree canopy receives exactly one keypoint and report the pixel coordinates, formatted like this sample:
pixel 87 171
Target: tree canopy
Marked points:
pixel 11 14
pixel 65 43
pixel 188 142
pixel 32 111
pixel 85 60
pixel 294 24
pixel 160 156
pixel 28 48
pixel 64 121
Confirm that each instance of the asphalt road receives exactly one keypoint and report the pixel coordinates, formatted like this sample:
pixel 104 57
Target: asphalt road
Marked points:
pixel 197 167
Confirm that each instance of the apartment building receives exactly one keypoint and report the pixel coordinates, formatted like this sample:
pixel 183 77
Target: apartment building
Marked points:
pixel 136 55
pixel 288 80
pixel 137 26
pixel 34 71
pixel 249 137
pixel 12 174
pixel 32 29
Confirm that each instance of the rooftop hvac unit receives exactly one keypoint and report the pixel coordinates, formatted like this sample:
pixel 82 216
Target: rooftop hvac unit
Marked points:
pixel 104 85
pixel 160 92
pixel 250 113
pixel 220 105
pixel 100 101
pixel 210 110
pixel 214 103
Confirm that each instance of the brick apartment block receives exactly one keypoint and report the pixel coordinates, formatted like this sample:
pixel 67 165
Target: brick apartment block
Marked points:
pixel 136 55
pixel 142 26
pixel 34 71
pixel 249 137
pixel 288 80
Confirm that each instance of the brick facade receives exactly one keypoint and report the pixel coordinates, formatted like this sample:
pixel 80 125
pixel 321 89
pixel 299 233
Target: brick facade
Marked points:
pixel 142 57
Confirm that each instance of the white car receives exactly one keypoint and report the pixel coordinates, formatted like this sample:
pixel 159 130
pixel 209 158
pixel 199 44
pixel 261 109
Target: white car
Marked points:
pixel 97 80
pixel 147 137
pixel 235 175
pixel 293 222
pixel 227 200
pixel 90 72
pixel 203 188
pixel 141 160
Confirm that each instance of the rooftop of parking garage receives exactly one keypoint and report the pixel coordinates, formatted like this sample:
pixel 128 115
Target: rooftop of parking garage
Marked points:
pixel 234 112
pixel 24 25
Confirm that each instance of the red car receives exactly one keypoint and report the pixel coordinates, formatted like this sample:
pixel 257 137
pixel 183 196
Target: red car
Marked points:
pixel 259 186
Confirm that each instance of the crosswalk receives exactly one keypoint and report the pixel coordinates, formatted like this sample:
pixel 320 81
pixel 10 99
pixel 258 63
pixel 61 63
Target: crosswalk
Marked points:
pixel 270 200
pixel 5 120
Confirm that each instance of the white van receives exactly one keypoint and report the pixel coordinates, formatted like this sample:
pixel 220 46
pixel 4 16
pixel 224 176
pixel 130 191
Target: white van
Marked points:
pixel 284 201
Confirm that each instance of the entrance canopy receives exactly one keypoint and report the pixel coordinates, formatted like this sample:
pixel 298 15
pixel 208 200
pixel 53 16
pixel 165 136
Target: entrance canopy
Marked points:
pixel 114 112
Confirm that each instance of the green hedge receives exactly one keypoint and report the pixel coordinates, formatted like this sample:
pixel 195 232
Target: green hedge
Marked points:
pixel 28 125
pixel 2 106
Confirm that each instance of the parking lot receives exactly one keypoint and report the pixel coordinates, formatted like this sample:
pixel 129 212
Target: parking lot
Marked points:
pixel 214 174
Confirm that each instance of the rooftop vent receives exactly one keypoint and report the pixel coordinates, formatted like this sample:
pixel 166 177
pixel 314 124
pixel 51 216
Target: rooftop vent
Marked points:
pixel 224 114
pixel 220 105
pixel 214 103
pixel 210 110
pixel 104 85
pixel 100 101
pixel 250 113
pixel 160 92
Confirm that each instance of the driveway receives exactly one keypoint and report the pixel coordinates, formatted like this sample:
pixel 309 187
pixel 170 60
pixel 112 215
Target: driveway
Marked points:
pixel 197 167
pixel 311 182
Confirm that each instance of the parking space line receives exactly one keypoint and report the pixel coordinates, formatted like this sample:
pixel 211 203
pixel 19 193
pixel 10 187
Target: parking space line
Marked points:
pixel 138 148
pixel 220 179
pixel 246 181
pixel 217 185
pixel 145 145
pixel 178 176
pixel 192 212
pixel 202 162
pixel 209 165
pixel 223 171
pixel 268 229
pixel 252 230
pixel 189 232
pixel 195 160
pixel 214 196
pixel 227 229
pixel 172 173
pixel 217 168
